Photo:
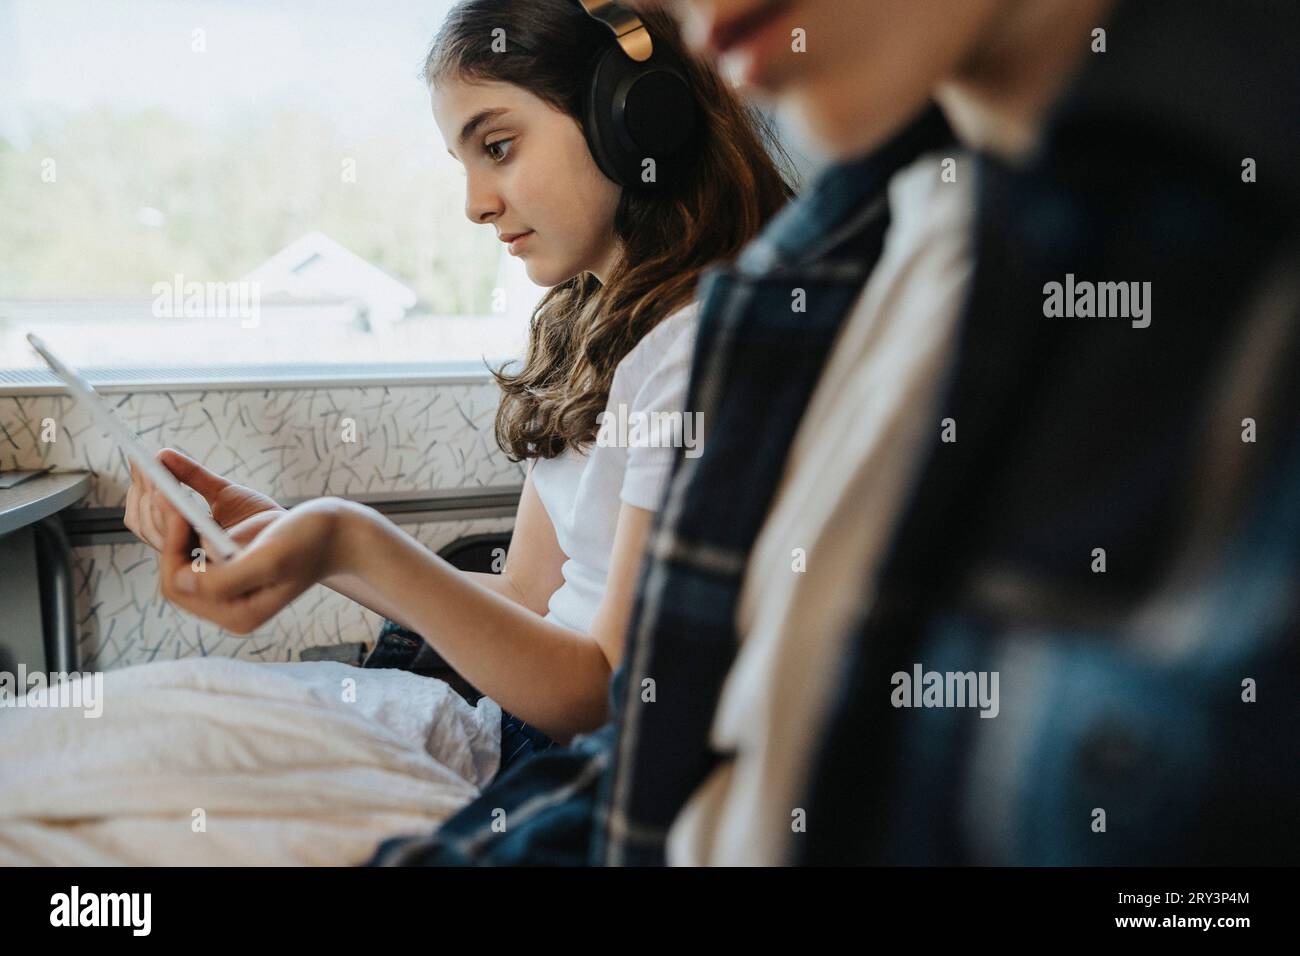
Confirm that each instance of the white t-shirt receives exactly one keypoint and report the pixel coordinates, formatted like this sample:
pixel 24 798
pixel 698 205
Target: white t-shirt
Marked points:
pixel 851 461
pixel 581 491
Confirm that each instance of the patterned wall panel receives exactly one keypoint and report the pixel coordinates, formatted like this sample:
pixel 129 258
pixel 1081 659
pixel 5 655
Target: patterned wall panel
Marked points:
pixel 289 443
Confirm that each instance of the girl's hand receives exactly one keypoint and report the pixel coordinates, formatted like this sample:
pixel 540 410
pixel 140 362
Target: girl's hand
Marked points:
pixel 242 512
pixel 302 547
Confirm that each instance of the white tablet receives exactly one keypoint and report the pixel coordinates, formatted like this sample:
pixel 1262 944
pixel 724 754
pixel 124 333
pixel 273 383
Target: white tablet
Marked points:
pixel 135 449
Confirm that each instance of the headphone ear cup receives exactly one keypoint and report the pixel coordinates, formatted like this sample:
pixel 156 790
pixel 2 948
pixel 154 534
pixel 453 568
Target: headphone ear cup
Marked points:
pixel 639 111
pixel 658 114
pixel 599 126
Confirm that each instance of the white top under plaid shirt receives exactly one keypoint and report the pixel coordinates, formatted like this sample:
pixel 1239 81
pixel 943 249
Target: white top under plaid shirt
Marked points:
pixel 843 486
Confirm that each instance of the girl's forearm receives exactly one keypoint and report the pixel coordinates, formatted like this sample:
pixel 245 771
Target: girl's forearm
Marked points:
pixel 350 586
pixel 548 675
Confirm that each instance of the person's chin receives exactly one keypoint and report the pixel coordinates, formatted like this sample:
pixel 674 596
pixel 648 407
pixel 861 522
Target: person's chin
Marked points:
pixel 540 273
pixel 546 272
pixel 841 124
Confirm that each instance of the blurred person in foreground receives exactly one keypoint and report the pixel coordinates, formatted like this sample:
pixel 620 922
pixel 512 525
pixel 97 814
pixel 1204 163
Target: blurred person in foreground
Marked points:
pixel 993 553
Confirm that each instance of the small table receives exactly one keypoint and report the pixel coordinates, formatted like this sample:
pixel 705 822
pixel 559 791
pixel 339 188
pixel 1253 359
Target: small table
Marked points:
pixel 38 618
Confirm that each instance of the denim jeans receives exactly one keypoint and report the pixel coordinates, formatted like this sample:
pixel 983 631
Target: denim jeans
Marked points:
pixel 519 741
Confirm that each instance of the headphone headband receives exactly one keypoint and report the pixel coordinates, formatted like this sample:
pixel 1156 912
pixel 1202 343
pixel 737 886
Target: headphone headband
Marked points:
pixel 626 26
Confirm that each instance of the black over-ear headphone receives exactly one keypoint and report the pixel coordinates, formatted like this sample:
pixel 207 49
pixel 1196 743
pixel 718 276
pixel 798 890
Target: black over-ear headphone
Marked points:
pixel 639 105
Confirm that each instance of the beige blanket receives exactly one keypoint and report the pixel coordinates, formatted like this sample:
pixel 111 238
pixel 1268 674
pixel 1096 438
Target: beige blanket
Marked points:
pixel 214 761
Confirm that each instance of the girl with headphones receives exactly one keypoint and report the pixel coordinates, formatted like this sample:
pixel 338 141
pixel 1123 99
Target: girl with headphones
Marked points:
pixel 618 169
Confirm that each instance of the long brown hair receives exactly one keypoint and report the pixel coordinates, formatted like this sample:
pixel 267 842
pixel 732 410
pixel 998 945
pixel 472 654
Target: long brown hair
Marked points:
pixel 580 329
